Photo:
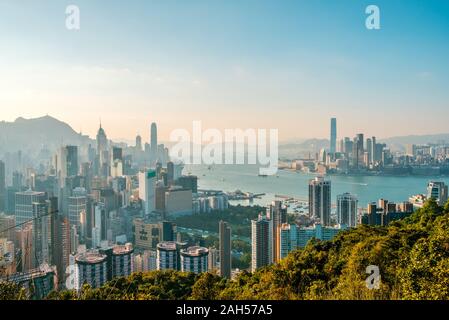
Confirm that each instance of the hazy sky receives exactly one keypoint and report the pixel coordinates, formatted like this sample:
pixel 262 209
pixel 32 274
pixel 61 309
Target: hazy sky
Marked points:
pixel 280 64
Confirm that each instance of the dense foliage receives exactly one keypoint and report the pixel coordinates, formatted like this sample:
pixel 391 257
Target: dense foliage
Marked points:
pixel 412 255
pixel 239 217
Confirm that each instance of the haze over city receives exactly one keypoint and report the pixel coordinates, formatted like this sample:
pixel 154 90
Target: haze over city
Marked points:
pixel 173 62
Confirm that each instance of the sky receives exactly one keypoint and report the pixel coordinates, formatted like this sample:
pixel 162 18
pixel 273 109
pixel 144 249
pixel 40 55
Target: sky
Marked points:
pixel 284 64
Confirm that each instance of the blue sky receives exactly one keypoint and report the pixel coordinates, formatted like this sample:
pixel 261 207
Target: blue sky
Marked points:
pixel 261 64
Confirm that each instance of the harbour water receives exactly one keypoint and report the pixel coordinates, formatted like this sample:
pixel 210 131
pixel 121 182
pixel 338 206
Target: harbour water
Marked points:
pixel 293 184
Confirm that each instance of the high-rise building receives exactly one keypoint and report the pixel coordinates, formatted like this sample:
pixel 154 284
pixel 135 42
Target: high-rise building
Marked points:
pixel 347 209
pixel 277 213
pixel 438 191
pixel 2 186
pixel 76 207
pixel 320 200
pixel 147 234
pixel 168 255
pixel 333 138
pixel 188 182
pixel 194 259
pixel 170 173
pixel 225 249
pixel 147 189
pixel 41 234
pixel 153 142
pixel 90 268
pixel 288 237
pixel 122 260
pixel 24 204
pixel 261 242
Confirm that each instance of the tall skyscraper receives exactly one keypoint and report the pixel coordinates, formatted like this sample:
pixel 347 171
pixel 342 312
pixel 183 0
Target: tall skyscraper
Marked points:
pixel 147 189
pixel 24 204
pixel 76 206
pixel 437 191
pixel 225 249
pixel 333 138
pixel 41 234
pixel 277 213
pixel 320 200
pixel 347 209
pixel 153 142
pixel 261 242
pixel 2 186
pixel 170 173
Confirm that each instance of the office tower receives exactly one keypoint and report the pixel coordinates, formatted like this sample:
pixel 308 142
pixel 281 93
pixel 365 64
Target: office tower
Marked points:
pixel 147 234
pixel 214 259
pixel 60 244
pixel 147 186
pixel 17 180
pixel 333 138
pixel 24 204
pixel 288 239
pixel 348 144
pixel 277 213
pixel 225 249
pixel 24 237
pixel 374 157
pixel 194 259
pixel 74 239
pixel 178 201
pixel 261 242
pixel 122 260
pixel 170 173
pixel 90 268
pixel 7 225
pixel 102 153
pixel 139 143
pixel 100 224
pixel 168 231
pixel 160 196
pixel 369 150
pixel 153 145
pixel 76 207
pixel 188 182
pixel 41 234
pixel 318 232
pixel 67 163
pixel 437 191
pixel 117 154
pixel 167 256
pixel 320 200
pixel 2 186
pixel 347 209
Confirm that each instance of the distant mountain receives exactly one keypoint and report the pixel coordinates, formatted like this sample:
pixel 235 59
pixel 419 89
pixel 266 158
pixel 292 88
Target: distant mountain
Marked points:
pixel 415 139
pixel 31 135
pixel 302 150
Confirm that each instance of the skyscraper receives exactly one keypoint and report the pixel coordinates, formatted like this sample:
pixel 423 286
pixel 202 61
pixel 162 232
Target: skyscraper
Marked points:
pixel 261 242
pixel 24 204
pixel 320 200
pixel 347 209
pixel 147 188
pixel 153 142
pixel 41 233
pixel 333 139
pixel 437 191
pixel 277 213
pixel 225 249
